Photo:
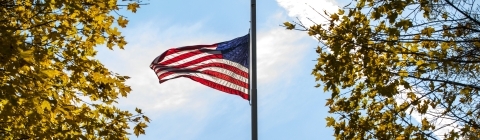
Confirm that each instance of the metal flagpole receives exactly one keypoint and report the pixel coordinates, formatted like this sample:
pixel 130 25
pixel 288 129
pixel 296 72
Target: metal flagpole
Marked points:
pixel 253 69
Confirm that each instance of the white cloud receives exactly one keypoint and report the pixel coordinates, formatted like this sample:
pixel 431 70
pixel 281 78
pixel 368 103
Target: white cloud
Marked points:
pixel 279 51
pixel 302 9
pixel 145 42
pixel 164 103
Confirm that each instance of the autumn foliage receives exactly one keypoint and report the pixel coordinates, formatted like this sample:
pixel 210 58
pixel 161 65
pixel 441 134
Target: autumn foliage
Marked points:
pixel 52 87
pixel 397 68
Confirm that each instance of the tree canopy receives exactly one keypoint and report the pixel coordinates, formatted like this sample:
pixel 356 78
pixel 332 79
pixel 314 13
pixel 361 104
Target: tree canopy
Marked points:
pixel 387 62
pixel 52 87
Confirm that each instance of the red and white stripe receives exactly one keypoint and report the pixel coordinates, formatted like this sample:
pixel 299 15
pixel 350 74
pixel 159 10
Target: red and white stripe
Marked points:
pixel 205 65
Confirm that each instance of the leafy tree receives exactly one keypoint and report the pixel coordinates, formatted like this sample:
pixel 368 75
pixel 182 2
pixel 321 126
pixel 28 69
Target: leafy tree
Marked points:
pixel 48 71
pixel 383 59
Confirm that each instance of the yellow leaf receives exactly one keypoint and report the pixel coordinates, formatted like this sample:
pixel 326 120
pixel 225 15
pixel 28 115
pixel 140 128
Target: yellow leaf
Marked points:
pixel 121 43
pixel 414 48
pixel 403 73
pixel 138 110
pixel 465 90
pixel 425 124
pixel 133 7
pixel 46 105
pixel 47 63
pixel 122 22
pixel 100 40
pixel 428 31
pixel 330 121
pixel 114 32
pixel 50 73
pixel 444 46
pixel 26 55
pixel 420 62
pixel 289 25
pixel 341 11
pixel 39 109
pixel 433 65
pixel 445 15
pixel 334 17
pixel 125 90
pixel 412 96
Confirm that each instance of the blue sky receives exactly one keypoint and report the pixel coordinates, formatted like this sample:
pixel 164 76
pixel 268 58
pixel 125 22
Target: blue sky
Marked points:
pixel 289 106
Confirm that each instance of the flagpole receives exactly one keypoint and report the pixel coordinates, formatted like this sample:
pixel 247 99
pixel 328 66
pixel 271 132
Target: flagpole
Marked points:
pixel 253 80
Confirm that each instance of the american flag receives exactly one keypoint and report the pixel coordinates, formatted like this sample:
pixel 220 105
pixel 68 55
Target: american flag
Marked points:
pixel 222 66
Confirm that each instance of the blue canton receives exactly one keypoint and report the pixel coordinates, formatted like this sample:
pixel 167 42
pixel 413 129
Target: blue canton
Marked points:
pixel 236 50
